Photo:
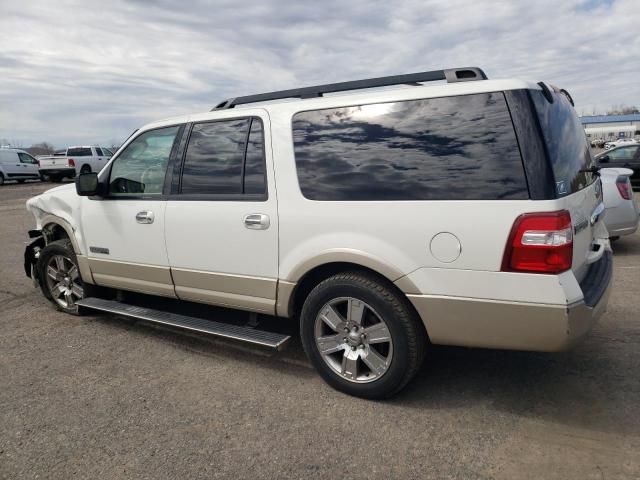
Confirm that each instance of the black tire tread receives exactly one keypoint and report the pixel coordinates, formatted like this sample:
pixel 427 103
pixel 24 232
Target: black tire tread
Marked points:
pixel 403 313
pixel 89 290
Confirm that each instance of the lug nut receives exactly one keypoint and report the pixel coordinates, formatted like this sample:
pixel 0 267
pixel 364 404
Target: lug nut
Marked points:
pixel 353 348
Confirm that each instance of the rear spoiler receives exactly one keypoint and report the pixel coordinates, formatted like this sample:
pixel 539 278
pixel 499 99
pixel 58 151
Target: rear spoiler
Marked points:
pixel 546 90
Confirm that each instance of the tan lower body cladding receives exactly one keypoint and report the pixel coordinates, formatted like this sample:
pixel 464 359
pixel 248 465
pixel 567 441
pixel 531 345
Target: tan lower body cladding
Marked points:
pixel 248 293
pixel 132 276
pixel 255 294
pixel 504 325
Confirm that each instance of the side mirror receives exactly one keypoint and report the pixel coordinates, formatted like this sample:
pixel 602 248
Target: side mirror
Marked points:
pixel 87 184
pixel 604 159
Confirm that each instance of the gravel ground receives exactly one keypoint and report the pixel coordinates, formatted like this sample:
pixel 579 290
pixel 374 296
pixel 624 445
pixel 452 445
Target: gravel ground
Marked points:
pixel 102 397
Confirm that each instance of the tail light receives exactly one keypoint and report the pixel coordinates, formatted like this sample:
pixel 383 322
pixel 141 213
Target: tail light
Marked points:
pixel 71 162
pixel 540 243
pixel 624 187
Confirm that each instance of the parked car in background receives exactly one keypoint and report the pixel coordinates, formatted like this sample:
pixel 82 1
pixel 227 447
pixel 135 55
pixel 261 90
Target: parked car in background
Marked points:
pixel 73 161
pixel 597 143
pixel 619 142
pixel 625 156
pixel 621 209
pixel 16 164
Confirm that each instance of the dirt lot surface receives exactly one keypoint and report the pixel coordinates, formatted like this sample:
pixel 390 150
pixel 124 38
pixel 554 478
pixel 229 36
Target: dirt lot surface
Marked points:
pixel 102 397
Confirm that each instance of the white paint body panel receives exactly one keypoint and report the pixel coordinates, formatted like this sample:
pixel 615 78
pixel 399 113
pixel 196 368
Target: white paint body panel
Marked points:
pixel 112 224
pixel 621 215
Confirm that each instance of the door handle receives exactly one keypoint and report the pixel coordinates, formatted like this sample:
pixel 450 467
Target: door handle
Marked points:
pixel 256 221
pixel 145 217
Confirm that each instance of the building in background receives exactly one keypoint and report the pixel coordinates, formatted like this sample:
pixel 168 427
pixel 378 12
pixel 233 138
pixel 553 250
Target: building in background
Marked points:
pixel 610 127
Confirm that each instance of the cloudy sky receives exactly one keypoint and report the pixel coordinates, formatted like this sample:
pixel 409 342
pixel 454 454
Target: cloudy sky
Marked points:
pixel 91 72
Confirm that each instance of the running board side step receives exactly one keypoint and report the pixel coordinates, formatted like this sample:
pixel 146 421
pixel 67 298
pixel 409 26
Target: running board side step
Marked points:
pixel 211 327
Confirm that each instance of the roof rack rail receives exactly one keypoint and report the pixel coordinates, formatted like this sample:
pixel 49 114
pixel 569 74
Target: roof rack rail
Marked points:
pixel 451 75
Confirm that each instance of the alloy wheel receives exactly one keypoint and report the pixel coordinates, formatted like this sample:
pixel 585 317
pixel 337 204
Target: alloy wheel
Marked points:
pixel 353 340
pixel 63 281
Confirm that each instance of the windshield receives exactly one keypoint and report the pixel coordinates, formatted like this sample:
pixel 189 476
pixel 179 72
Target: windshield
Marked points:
pixel 566 143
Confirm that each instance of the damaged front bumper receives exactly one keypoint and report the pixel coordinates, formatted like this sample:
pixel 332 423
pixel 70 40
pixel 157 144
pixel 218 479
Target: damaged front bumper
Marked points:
pixel 31 254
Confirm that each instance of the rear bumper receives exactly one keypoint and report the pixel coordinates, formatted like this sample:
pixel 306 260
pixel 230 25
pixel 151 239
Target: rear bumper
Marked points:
pixel 517 325
pixel 61 172
pixel 622 219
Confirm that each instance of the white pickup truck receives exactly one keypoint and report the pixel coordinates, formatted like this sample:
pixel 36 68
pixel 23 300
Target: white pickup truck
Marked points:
pixel 72 161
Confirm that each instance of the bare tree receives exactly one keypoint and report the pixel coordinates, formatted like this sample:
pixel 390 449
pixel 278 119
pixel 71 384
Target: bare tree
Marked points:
pixel 42 148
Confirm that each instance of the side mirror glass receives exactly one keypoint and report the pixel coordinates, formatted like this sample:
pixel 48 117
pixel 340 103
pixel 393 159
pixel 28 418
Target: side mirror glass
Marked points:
pixel 87 184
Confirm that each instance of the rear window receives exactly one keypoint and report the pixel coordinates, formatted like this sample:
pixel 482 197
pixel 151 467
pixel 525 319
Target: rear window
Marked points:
pixel 451 148
pixel 79 152
pixel 566 142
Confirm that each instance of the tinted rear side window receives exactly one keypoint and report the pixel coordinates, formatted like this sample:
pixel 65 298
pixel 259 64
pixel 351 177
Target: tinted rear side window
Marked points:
pixel 254 173
pixel 79 152
pixel 452 148
pixel 214 163
pixel 566 142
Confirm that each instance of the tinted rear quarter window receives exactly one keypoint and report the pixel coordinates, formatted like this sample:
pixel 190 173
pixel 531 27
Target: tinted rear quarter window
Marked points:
pixel 79 152
pixel 450 148
pixel 225 158
pixel 566 143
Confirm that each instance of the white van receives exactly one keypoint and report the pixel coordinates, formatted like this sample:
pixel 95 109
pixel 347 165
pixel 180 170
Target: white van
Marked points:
pixel 17 165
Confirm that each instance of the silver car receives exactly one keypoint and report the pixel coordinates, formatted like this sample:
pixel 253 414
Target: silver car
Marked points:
pixel 622 210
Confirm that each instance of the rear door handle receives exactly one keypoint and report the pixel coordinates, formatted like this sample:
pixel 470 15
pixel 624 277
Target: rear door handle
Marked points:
pixel 145 217
pixel 257 221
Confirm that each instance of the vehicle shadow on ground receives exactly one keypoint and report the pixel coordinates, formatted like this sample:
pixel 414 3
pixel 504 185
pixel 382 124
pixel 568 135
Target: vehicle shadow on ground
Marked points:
pixel 563 388
pixel 625 246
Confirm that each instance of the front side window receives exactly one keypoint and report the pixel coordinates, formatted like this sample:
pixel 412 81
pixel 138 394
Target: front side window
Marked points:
pixel 450 148
pixel 225 158
pixel 26 158
pixel 141 167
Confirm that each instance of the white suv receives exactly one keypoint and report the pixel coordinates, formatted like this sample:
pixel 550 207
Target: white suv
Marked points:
pixel 461 213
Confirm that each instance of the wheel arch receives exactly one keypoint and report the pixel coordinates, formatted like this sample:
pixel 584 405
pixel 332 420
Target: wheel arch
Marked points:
pixel 56 228
pixel 291 294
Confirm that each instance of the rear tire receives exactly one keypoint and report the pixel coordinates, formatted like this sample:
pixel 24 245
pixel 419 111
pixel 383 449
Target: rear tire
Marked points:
pixel 85 169
pixel 1 179
pixel 59 277
pixel 374 357
pixel 55 178
pixel 43 177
